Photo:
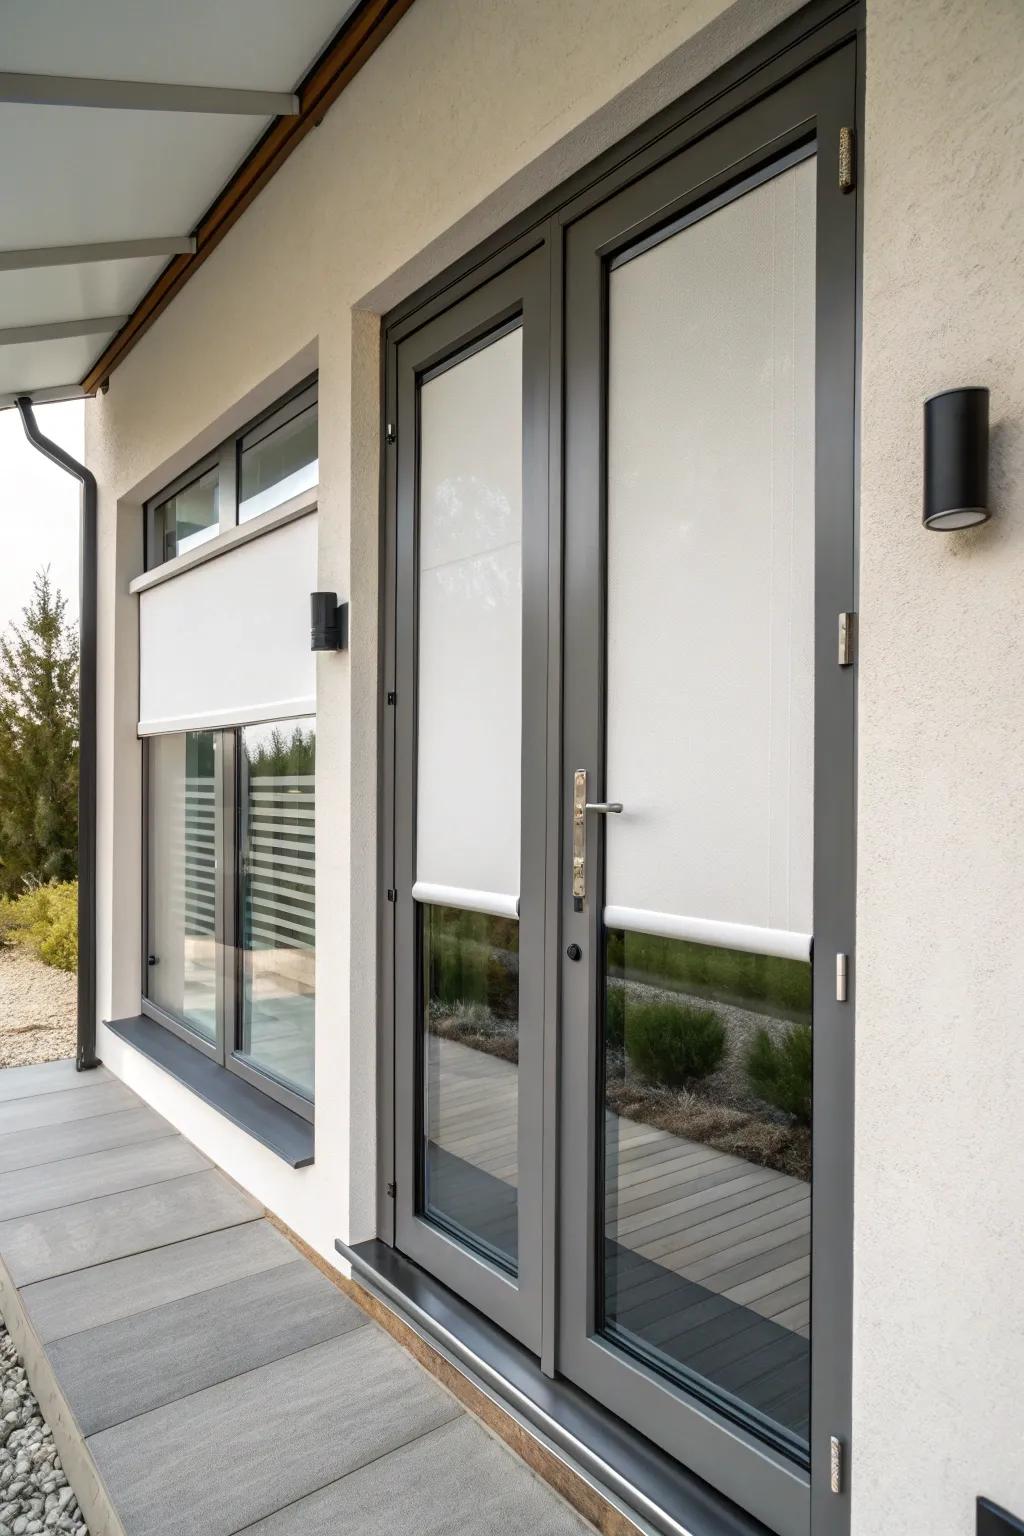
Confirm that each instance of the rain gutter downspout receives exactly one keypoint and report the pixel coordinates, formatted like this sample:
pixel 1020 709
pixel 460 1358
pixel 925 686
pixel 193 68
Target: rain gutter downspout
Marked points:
pixel 85 1055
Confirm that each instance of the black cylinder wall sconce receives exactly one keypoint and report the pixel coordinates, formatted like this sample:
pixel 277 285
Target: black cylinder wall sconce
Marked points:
pixel 956 459
pixel 328 622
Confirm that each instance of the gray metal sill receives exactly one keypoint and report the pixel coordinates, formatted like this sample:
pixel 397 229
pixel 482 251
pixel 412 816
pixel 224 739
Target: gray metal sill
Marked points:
pixel 284 1132
pixel 651 1489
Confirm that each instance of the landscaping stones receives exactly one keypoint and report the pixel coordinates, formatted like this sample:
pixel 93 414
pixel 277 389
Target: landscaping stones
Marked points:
pixel 35 1496
pixel 37 1013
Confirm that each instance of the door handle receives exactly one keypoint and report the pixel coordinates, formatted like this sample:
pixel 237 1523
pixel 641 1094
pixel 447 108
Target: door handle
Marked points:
pixel 580 806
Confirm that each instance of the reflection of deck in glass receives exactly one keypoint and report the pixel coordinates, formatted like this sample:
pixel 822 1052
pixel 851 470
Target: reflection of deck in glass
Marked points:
pixel 709 1255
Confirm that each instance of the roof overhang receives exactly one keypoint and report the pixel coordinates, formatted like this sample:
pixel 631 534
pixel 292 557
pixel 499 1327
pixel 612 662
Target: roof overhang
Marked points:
pixel 137 134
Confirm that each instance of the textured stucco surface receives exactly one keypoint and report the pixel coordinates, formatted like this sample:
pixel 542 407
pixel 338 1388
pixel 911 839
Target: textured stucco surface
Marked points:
pixel 939 1347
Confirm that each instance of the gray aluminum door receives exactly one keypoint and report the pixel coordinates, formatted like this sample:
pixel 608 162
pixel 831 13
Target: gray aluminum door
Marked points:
pixel 471 667
pixel 708 811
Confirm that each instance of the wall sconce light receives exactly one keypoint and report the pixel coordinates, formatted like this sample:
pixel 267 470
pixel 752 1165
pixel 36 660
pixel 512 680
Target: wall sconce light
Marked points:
pixel 956 459
pixel 328 622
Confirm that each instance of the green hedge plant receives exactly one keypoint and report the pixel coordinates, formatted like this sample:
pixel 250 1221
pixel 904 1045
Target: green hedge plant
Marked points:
pixel 779 1070
pixel 674 1044
pixel 45 921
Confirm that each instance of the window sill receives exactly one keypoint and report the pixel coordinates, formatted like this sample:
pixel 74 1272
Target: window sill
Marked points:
pixel 630 1473
pixel 285 1133
pixel 231 538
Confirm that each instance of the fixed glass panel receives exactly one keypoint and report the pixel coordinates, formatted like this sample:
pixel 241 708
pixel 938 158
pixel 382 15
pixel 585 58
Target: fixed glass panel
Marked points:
pixel 710 593
pixel 469 772
pixel 182 879
pixel 277 931
pixel 471 1079
pixel 279 466
pixel 188 519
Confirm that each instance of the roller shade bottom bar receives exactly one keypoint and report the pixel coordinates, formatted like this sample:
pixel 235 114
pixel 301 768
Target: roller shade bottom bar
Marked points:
pixel 493 903
pixel 702 930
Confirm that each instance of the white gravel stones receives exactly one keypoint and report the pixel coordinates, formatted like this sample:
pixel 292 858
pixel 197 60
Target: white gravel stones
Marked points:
pixel 35 1498
pixel 37 1013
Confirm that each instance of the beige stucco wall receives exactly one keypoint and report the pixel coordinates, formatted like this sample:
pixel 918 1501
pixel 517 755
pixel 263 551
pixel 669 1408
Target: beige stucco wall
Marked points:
pixel 939 1272
pixel 469 111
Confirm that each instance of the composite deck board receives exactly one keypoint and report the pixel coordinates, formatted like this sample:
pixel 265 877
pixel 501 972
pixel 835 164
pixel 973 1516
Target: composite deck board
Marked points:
pixel 209 1378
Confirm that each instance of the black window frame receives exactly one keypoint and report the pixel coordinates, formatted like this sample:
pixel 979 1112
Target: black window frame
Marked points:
pixel 226 458
pixel 225 1050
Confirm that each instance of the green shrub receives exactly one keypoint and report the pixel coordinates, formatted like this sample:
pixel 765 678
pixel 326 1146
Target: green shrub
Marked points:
pixel 615 1015
pixel 45 920
pixel 673 1044
pixel 779 1070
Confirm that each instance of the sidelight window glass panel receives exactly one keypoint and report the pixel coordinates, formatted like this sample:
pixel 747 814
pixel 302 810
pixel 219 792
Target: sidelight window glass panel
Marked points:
pixel 278 466
pixel 188 519
pixel 471 1080
pixel 710 748
pixel 277 772
pixel 182 885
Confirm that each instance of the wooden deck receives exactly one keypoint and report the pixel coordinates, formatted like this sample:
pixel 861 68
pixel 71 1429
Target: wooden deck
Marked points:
pixel 201 1377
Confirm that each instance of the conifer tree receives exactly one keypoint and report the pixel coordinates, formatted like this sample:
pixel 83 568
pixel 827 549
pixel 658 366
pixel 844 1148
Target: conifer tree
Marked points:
pixel 39 743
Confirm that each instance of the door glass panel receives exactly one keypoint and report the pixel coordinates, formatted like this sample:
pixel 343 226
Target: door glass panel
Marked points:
pixel 707 1040
pixel 181 878
pixel 469 768
pixel 278 901
pixel 471 1034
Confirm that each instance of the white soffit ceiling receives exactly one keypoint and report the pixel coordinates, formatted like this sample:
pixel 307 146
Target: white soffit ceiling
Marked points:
pixel 102 175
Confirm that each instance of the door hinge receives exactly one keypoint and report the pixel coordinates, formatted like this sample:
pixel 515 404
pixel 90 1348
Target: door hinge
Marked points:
pixel 846 159
pixel 390 435
pixel 392 697
pixel 392 895
pixel 842 976
pixel 846 639
pixel 835 1464
pixel 392 1191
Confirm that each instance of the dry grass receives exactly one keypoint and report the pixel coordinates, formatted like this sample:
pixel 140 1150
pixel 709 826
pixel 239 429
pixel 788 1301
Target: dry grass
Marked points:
pixel 744 1133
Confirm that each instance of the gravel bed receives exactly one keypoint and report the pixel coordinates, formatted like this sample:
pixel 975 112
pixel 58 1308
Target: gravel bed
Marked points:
pixel 37 1010
pixel 35 1496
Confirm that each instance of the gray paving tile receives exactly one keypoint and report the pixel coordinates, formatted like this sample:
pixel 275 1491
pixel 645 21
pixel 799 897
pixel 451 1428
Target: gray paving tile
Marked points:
pixel 59 1108
pixel 251 1445
pixel 50 1185
pixel 120 1370
pixel 50 1143
pixel 89 1298
pixel 453 1479
pixel 47 1077
pixel 76 1236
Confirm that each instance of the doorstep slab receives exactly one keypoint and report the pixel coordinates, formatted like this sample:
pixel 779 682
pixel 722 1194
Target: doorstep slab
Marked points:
pixel 452 1479
pixel 29 1148
pixel 94 1174
pixel 130 1367
pixel 258 1442
pixel 95 1231
pixel 88 1298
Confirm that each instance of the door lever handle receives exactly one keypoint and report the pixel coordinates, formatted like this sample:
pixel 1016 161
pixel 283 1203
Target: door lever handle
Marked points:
pixel 606 807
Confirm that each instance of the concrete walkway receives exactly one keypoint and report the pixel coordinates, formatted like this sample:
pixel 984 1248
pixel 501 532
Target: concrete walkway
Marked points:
pixel 200 1376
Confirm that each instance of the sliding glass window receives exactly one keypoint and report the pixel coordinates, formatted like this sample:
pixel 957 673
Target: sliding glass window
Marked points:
pixel 230 898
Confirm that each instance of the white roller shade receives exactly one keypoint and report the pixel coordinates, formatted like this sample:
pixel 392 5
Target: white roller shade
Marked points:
pixel 711 573
pixel 470 627
pixel 227 643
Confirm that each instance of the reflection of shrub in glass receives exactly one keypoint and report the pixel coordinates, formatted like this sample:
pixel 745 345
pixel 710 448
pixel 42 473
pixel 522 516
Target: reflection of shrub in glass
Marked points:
pixel 674 1043
pixel 615 1017
pixel 779 1070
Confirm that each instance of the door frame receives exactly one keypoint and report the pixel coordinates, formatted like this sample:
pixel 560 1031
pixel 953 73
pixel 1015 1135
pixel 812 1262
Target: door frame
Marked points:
pixel 744 152
pixel 813 34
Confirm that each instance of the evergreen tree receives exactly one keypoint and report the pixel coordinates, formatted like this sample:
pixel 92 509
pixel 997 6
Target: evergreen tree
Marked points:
pixel 39 743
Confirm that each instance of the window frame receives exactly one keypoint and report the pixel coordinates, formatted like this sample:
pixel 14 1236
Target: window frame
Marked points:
pixel 224 1050
pixel 226 458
